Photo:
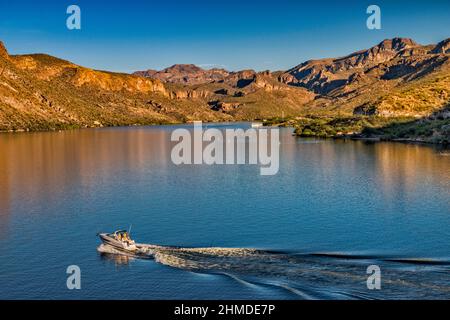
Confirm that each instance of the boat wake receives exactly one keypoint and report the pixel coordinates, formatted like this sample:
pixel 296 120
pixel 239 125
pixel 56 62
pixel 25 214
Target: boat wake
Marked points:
pixel 310 276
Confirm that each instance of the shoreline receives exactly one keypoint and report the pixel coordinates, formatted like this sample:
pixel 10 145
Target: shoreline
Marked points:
pixel 22 131
pixel 346 137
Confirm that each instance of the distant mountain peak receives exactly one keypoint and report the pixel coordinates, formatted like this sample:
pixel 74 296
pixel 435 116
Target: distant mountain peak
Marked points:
pixel 189 74
pixel 186 68
pixel 397 44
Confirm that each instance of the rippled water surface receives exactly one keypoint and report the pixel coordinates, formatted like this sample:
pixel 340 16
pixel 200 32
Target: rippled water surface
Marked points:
pixel 309 232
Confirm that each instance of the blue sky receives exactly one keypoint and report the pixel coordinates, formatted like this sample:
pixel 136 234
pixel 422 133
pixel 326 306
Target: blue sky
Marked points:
pixel 134 35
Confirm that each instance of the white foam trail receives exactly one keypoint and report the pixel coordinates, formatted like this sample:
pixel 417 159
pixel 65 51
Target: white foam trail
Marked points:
pixel 289 271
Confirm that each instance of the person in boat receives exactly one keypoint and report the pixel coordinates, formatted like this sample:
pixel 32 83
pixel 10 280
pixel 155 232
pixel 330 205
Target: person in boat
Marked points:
pixel 122 237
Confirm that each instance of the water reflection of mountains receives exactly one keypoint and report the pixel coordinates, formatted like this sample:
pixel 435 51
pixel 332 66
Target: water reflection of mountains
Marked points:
pixel 50 164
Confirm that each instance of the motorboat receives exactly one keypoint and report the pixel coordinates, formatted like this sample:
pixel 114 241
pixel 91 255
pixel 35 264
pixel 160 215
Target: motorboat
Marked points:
pixel 119 240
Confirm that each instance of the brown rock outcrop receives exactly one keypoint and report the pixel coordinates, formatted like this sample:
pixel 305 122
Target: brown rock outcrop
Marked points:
pixel 3 51
pixel 442 47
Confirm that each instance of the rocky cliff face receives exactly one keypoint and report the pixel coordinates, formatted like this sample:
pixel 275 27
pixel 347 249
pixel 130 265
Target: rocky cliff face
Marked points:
pixel 117 82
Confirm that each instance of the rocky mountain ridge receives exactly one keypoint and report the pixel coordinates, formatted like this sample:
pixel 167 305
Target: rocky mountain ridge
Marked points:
pixel 395 78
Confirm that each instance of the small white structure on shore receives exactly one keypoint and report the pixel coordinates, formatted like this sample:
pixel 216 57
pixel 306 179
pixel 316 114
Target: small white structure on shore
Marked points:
pixel 257 125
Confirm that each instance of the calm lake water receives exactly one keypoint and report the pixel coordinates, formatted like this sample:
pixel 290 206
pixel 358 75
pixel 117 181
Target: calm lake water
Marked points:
pixel 333 209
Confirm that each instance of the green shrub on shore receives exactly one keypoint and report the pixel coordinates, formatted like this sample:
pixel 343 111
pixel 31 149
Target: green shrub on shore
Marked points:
pixel 434 129
pixel 426 130
pixel 329 127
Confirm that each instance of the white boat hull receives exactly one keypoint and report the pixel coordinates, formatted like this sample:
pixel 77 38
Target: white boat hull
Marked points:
pixel 108 239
